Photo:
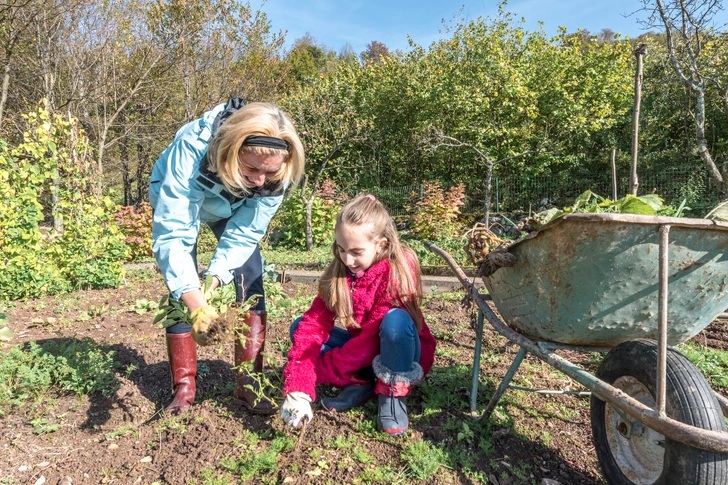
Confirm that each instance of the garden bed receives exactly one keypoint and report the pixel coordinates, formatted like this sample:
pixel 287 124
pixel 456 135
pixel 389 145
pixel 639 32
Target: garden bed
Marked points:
pixel 123 438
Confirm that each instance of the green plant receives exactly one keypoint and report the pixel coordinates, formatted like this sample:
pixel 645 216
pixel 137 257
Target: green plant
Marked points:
pixel 76 366
pixel 142 306
pixel 423 459
pixel 291 219
pixel 466 434
pixel 436 210
pixel 41 426
pixel 136 225
pixel 589 202
pixel 53 163
pixel 122 431
pixel 361 455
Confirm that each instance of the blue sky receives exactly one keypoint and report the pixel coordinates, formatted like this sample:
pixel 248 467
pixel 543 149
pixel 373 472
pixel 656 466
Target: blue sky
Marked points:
pixel 358 22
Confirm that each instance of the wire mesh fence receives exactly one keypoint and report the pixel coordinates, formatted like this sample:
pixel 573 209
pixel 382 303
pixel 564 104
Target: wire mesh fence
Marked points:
pixel 534 193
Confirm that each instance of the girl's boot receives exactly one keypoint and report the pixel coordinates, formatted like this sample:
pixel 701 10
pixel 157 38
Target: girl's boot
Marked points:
pixel 350 397
pixel 182 354
pixel 252 351
pixel 392 389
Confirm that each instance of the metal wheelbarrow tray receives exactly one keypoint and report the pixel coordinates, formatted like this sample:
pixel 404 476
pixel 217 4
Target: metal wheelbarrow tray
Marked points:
pixel 595 282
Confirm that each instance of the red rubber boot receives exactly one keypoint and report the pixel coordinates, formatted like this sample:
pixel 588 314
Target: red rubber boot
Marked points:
pixel 182 354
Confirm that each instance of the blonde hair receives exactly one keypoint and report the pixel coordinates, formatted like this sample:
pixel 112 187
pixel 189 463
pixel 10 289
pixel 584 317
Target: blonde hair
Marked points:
pixel 405 285
pixel 255 119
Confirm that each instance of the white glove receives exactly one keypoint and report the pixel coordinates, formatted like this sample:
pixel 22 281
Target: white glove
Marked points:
pixel 296 406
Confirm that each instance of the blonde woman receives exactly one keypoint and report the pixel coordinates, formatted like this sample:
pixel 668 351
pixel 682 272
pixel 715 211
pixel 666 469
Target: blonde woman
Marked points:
pixel 228 169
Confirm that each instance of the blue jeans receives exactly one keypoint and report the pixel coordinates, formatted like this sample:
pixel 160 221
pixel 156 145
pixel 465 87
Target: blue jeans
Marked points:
pixel 248 278
pixel 399 343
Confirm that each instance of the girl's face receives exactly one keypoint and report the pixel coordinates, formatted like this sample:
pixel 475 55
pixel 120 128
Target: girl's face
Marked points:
pixel 357 251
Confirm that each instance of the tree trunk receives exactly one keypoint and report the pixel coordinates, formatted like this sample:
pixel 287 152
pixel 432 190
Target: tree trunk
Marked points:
pixel 700 135
pixel 309 225
pixel 142 171
pixel 4 94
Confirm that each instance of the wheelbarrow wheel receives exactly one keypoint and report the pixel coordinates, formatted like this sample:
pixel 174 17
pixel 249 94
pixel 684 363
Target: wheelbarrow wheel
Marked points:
pixel 639 455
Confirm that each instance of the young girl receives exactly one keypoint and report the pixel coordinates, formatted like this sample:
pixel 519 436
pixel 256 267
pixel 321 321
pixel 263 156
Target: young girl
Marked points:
pixel 373 288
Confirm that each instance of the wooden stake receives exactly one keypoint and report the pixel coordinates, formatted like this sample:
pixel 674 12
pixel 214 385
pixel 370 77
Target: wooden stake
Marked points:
pixel 614 174
pixel 633 180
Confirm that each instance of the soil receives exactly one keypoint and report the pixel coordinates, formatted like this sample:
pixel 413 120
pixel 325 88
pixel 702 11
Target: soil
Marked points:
pixel 125 439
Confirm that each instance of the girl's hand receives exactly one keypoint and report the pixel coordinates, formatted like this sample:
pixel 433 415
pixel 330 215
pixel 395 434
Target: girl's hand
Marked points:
pixel 295 408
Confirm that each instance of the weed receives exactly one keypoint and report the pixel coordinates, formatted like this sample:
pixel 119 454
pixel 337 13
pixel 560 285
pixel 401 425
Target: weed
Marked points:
pixel 423 459
pixel 376 475
pixel 360 455
pixel 142 306
pixel 466 434
pixel 209 477
pixel 122 431
pixel 41 426
pixel 96 311
pixel 341 442
pixel 712 363
pixel 76 366
pixel 249 465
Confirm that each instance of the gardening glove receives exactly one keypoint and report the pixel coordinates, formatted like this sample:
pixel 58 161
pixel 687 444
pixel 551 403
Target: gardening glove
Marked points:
pixel 296 406
pixel 201 320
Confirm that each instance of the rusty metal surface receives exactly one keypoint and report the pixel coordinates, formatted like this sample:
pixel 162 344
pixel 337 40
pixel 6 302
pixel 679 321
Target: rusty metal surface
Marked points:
pixel 715 441
pixel 592 279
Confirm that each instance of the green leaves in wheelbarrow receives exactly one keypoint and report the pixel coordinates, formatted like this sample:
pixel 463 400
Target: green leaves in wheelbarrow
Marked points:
pixel 644 205
pixel 719 213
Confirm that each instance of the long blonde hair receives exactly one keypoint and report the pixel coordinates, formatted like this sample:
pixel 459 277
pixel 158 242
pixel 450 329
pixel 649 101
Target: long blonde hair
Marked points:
pixel 255 119
pixel 405 285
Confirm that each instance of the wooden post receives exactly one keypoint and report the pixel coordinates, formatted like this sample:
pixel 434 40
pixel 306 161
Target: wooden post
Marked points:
pixel 614 174
pixel 633 180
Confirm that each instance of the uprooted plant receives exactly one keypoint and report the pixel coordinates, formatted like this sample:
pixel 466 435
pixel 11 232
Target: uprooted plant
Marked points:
pixel 228 326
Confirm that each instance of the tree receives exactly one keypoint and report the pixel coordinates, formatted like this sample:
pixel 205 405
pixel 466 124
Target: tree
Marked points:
pixel 324 113
pixel 374 53
pixel 689 37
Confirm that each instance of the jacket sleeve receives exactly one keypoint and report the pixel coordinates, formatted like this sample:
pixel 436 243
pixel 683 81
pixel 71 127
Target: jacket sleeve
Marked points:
pixel 177 201
pixel 312 332
pixel 339 366
pixel 242 233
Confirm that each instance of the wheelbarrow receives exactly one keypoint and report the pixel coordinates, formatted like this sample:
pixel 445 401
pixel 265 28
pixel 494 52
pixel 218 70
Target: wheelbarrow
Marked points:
pixel 599 283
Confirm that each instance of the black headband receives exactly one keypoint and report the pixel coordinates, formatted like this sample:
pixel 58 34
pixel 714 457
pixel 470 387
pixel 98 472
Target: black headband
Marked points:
pixel 267 142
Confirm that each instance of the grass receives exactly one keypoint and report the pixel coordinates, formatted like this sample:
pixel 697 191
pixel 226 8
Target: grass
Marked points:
pixel 712 363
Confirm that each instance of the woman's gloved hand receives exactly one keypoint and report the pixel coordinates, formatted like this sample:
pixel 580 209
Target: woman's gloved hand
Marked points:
pixel 201 320
pixel 295 408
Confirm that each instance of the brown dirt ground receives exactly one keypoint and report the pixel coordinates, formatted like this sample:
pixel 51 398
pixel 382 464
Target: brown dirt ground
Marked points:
pixel 550 437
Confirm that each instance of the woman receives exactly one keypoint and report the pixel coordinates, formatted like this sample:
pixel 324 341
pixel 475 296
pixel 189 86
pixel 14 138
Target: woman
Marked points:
pixel 228 169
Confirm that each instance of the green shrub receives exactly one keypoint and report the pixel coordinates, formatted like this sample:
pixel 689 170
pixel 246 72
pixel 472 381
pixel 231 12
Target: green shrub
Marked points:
pixel 136 225
pixel 54 159
pixel 436 211
pixel 291 217
pixel 206 240
pixel 73 366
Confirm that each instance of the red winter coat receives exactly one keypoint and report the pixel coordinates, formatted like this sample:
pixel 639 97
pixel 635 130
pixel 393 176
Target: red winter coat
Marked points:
pixel 370 302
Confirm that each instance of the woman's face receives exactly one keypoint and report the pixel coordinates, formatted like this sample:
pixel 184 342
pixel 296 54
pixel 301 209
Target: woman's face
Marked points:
pixel 257 169
pixel 357 251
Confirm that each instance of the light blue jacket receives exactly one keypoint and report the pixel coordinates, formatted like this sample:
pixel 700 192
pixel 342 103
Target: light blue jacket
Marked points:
pixel 183 194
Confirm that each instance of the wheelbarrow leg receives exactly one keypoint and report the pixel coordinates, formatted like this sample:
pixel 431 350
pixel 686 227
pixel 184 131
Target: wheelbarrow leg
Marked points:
pixel 476 364
pixel 504 383
pixel 476 373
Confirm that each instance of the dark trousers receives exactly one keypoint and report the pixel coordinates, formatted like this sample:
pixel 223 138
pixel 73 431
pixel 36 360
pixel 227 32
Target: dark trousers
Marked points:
pixel 248 278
